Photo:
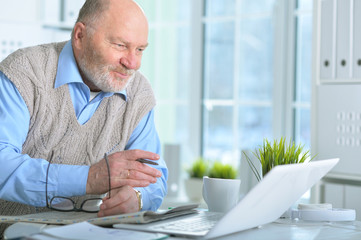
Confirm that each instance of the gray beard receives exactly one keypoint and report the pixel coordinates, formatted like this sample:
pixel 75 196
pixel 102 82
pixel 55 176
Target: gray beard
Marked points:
pixel 101 78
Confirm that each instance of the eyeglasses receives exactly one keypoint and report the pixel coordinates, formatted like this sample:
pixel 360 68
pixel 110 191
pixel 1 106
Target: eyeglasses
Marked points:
pixel 65 204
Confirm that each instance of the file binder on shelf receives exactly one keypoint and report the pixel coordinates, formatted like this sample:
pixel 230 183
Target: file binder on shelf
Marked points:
pixel 356 62
pixel 71 9
pixel 343 39
pixel 51 12
pixel 327 44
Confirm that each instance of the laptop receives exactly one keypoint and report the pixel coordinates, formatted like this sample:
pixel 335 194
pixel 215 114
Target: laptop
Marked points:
pixel 264 203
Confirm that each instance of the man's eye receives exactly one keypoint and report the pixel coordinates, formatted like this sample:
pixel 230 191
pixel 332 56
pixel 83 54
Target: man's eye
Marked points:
pixel 120 45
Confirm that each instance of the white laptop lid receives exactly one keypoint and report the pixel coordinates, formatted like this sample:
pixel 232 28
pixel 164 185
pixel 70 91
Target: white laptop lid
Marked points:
pixel 272 196
pixel 265 203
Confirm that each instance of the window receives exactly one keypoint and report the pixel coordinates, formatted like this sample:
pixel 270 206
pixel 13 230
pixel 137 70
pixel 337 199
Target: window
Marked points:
pixel 256 74
pixel 238 76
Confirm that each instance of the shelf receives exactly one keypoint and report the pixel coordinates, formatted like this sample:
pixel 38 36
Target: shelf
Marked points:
pixel 59 25
pixel 342 178
pixel 340 81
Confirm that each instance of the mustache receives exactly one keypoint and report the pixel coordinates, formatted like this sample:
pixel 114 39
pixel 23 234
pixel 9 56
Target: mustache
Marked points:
pixel 124 70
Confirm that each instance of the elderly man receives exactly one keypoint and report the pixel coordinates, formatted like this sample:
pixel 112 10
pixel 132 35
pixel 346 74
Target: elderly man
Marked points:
pixel 76 116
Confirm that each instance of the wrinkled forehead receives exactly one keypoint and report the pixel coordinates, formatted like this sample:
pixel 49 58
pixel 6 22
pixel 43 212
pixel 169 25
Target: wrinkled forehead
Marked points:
pixel 126 20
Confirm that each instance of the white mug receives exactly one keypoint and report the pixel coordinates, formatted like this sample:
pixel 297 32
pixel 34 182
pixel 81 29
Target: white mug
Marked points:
pixel 221 195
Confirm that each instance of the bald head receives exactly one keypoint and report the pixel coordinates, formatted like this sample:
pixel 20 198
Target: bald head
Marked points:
pixel 93 11
pixel 127 12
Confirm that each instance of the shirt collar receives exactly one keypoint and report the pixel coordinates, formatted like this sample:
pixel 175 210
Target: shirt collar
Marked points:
pixel 68 71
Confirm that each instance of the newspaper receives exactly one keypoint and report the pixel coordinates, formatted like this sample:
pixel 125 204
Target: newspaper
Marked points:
pixel 63 218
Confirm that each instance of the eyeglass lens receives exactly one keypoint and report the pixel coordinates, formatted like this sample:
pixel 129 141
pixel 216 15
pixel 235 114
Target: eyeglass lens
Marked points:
pixel 67 204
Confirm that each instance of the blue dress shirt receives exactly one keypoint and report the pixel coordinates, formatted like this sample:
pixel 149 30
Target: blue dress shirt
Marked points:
pixel 22 179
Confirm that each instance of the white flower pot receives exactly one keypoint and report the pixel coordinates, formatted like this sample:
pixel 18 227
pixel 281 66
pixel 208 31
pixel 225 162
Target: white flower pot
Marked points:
pixel 193 188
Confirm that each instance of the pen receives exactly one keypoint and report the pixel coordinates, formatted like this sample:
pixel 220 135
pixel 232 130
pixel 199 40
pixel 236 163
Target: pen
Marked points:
pixel 141 160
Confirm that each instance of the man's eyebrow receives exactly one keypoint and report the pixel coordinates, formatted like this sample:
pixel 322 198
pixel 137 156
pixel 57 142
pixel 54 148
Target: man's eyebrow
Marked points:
pixel 144 46
pixel 128 43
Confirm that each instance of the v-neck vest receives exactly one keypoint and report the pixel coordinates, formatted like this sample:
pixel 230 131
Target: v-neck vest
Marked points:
pixel 53 124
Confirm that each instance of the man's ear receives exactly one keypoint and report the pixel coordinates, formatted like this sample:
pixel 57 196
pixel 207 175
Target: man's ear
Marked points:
pixel 79 34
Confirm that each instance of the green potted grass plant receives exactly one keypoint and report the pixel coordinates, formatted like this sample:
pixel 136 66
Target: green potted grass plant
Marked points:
pixel 225 171
pixel 193 184
pixel 200 168
pixel 277 153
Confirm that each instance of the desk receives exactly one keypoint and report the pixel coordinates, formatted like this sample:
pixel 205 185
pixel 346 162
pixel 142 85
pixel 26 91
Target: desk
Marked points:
pixel 281 229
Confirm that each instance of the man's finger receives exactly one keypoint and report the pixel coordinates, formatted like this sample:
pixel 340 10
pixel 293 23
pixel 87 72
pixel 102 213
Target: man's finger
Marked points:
pixel 137 153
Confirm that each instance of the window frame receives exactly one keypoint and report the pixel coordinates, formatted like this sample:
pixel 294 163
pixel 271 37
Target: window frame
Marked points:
pixel 284 102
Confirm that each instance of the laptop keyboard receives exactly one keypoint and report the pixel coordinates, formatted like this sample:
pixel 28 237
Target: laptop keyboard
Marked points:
pixel 200 223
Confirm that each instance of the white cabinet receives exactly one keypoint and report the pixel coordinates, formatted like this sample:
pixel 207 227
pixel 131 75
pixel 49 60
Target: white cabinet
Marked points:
pixel 51 11
pixel 14 36
pixel 334 194
pixel 336 99
pixel 26 23
pixel 61 14
pixel 352 199
pixel 71 10
pixel 343 195
pixel 20 11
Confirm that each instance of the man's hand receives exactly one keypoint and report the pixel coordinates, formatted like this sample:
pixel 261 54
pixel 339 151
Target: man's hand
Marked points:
pixel 123 200
pixel 124 171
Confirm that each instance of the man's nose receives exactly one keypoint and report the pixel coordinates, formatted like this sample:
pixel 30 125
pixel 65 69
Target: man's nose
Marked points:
pixel 130 60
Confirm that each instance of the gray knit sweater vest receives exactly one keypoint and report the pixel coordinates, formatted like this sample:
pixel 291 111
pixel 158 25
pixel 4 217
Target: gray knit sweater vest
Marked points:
pixel 53 124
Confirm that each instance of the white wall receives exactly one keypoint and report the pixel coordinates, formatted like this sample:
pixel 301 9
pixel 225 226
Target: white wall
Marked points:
pixel 31 22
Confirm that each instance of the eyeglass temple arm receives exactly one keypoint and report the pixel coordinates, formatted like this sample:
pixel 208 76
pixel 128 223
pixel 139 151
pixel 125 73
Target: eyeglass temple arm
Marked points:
pixel 107 162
